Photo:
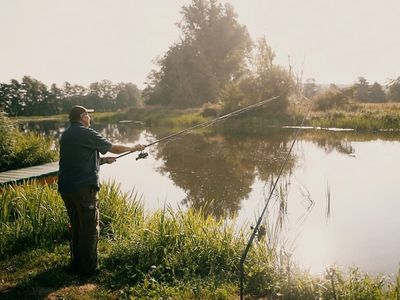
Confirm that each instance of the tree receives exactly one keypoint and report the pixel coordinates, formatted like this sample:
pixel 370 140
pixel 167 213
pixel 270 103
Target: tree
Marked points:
pixel 55 99
pixel 210 54
pixel 34 97
pixel 264 79
pixel 333 98
pixel 11 98
pixel 376 93
pixel 128 95
pixel 310 88
pixel 361 90
pixel 231 97
pixel 394 90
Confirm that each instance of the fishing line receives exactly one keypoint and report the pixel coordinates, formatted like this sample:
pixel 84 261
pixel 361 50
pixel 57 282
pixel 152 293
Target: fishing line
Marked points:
pixel 203 125
pixel 257 227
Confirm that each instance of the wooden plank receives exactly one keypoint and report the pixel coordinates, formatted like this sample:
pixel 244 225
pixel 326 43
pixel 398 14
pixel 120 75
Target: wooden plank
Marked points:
pixel 28 173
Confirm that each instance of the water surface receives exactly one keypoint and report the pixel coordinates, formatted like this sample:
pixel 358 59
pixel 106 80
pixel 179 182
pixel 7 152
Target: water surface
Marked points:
pixel 338 198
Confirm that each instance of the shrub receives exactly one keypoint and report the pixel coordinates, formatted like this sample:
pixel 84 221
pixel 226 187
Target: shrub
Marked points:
pixel 19 150
pixel 331 99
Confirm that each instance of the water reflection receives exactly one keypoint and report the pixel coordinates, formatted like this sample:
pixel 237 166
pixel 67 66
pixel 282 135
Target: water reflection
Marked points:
pixel 216 172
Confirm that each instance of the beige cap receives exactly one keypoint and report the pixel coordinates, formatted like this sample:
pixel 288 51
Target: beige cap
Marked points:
pixel 77 111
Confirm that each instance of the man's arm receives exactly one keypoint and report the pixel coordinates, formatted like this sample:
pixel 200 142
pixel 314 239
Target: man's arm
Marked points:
pixel 118 149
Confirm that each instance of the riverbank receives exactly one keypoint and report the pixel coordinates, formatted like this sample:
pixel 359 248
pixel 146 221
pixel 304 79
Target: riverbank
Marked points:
pixel 168 254
pixel 357 116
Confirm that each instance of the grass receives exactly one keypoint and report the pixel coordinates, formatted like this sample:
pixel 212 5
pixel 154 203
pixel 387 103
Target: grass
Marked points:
pixel 164 255
pixel 359 116
pixel 161 117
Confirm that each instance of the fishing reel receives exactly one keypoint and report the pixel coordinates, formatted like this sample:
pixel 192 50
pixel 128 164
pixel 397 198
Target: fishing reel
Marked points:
pixel 261 232
pixel 142 155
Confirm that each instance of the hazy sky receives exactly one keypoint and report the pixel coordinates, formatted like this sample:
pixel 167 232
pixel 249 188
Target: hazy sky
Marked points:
pixel 83 41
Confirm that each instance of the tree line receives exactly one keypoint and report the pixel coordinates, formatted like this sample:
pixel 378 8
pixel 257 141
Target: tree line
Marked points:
pixel 360 91
pixel 31 97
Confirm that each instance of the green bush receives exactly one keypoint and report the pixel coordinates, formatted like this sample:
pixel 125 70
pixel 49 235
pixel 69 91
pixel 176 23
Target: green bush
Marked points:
pixel 331 99
pixel 20 150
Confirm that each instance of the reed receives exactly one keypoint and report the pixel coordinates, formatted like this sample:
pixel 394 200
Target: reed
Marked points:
pixel 120 213
pixel 32 215
pixel 367 119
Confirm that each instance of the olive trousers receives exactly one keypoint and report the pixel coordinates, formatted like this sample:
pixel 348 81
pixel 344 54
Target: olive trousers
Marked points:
pixel 83 212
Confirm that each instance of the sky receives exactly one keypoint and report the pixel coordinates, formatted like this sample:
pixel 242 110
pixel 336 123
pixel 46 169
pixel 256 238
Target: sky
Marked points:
pixel 84 41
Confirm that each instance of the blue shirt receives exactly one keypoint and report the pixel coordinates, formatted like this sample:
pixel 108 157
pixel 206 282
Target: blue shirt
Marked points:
pixel 80 149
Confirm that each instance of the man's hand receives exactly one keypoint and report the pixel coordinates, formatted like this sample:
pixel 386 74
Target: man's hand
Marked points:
pixel 138 147
pixel 108 160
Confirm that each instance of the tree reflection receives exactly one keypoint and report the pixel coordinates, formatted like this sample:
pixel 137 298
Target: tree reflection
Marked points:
pixel 217 172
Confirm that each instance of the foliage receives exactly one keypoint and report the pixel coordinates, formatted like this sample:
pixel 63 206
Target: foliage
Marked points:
pixel 31 215
pixel 262 80
pixel 376 93
pixel 231 97
pixel 211 110
pixel 32 97
pixel 211 52
pixel 372 117
pixel 394 90
pixel 361 90
pixel 120 213
pixel 19 150
pixel 364 92
pixel 310 88
pixel 332 98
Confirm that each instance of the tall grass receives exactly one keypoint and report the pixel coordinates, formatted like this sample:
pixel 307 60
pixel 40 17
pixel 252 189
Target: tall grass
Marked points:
pixel 177 254
pixel 120 213
pixel 32 215
pixel 364 117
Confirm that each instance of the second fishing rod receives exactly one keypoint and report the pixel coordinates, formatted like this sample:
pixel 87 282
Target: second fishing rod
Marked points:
pixel 201 125
pixel 256 229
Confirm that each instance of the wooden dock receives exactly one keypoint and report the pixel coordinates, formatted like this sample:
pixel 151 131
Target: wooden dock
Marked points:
pixel 19 175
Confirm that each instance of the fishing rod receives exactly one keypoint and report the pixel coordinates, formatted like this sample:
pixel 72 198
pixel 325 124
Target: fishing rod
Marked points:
pixel 257 229
pixel 201 125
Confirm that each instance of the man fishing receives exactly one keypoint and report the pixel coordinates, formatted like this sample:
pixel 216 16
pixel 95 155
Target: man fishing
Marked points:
pixel 78 184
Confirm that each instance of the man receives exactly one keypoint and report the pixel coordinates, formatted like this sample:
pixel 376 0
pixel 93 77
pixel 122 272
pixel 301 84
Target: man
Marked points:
pixel 78 184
